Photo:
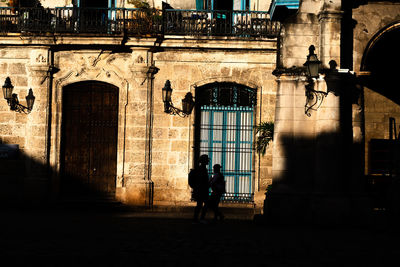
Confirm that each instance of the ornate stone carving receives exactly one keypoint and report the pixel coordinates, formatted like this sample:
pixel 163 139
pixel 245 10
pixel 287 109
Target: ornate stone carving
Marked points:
pixel 139 60
pixel 41 59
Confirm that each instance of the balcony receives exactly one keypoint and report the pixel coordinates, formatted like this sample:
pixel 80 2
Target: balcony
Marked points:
pixel 137 22
pixel 219 23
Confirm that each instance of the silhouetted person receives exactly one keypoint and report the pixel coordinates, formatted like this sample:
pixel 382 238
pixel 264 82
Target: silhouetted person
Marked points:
pixel 200 189
pixel 217 184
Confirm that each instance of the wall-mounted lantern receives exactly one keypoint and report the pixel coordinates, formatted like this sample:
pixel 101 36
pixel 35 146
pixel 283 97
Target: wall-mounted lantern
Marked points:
pixel 314 98
pixel 187 103
pixel 12 99
pixel 312 64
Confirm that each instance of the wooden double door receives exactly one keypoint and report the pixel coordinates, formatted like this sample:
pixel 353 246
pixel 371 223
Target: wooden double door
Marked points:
pixel 89 140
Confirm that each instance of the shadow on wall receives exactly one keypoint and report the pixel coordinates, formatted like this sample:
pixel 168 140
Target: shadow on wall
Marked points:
pixel 324 183
pixel 27 182
pixel 320 164
pixel 22 178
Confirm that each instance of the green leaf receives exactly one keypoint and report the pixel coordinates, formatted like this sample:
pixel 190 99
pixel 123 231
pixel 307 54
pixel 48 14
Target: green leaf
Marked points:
pixel 265 131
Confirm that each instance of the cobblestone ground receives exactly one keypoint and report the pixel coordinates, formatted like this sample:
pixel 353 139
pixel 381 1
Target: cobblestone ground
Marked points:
pixel 78 238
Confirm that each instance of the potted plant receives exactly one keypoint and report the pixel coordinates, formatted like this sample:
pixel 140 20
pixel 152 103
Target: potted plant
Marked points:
pixel 141 4
pixel 265 131
pixel 148 17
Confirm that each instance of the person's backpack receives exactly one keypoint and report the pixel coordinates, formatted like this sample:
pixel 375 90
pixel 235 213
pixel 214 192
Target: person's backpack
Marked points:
pixel 192 178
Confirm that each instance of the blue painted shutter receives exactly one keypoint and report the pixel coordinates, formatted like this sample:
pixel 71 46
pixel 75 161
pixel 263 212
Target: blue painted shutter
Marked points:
pixel 244 4
pixel 199 4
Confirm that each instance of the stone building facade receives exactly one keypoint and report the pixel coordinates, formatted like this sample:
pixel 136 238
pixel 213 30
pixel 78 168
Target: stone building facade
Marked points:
pixel 242 69
pixel 323 165
pixel 78 77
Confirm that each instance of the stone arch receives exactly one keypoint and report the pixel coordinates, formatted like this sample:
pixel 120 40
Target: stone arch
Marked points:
pixel 379 36
pixel 246 82
pixel 381 58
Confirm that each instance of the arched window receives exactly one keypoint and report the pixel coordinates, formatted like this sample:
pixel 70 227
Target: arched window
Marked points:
pixel 224 131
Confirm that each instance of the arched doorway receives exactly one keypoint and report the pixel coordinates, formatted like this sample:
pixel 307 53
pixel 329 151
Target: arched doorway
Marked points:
pixel 382 107
pixel 89 138
pixel 224 131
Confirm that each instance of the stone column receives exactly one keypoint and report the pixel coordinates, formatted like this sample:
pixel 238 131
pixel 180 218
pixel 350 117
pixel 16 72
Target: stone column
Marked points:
pixel 329 145
pixel 137 183
pixel 330 25
pixel 37 179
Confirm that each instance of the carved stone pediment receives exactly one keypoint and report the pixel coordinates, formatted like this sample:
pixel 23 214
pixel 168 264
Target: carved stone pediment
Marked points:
pixel 102 66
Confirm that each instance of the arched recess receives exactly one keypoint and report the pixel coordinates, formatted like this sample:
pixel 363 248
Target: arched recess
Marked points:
pixel 381 98
pixel 224 119
pixel 381 58
pixel 89 138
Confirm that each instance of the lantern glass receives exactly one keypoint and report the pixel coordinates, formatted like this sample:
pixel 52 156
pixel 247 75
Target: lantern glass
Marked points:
pixel 30 99
pixel 167 92
pixel 313 66
pixel 7 89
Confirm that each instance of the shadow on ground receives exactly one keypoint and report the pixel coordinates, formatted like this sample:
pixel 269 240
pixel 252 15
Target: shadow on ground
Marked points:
pixel 95 238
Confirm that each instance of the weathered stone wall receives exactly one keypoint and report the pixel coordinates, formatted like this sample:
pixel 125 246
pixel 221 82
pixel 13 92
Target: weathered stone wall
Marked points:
pixel 12 125
pixel 142 124
pixel 27 69
pixel 316 23
pixel 298 33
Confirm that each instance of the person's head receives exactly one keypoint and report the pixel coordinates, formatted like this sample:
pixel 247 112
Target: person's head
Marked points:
pixel 203 160
pixel 217 168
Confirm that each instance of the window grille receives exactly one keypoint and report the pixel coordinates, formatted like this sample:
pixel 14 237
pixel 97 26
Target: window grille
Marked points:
pixel 226 135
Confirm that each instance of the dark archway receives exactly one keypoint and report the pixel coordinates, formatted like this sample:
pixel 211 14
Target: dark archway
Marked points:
pixel 382 59
pixel 89 138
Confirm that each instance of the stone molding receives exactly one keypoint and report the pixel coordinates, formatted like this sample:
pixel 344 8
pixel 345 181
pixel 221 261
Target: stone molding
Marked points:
pixel 142 71
pixel 330 14
pixel 39 57
pixel 292 71
pixel 90 68
pixel 38 69
pixel 242 81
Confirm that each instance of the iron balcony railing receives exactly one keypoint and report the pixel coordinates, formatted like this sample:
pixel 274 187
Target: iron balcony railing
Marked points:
pixel 153 22
pixel 220 23
pixel 81 20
